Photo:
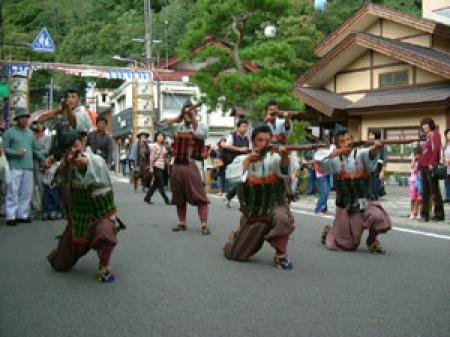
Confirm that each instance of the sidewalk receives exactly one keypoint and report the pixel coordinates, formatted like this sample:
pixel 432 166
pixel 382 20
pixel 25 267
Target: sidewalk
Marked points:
pixel 396 203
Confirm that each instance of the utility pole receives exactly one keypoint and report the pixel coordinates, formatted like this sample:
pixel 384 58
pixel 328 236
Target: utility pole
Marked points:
pixel 148 33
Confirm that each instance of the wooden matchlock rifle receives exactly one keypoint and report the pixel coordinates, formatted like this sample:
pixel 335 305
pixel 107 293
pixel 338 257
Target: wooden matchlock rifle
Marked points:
pixel 290 148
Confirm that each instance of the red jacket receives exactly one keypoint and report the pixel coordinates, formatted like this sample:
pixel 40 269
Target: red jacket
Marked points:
pixel 432 150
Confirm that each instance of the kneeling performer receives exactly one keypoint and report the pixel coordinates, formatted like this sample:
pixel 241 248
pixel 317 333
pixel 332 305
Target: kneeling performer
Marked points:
pixel 265 211
pixel 355 212
pixel 91 208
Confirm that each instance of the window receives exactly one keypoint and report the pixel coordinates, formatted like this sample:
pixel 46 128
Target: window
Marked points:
pixel 400 152
pixel 394 78
pixel 120 105
pixel 174 102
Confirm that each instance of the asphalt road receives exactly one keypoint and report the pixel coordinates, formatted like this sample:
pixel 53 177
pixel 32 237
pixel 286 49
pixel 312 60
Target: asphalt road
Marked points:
pixel 179 284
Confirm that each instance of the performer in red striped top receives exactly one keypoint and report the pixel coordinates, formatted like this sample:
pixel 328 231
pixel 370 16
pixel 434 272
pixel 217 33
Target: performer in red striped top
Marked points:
pixel 186 182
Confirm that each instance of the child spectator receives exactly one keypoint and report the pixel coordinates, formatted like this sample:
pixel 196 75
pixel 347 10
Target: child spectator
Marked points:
pixel 323 189
pixel 52 206
pixel 415 186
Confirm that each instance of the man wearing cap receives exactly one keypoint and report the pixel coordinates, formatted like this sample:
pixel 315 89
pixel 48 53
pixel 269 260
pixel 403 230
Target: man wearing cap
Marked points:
pixel 43 142
pixel 91 223
pixel 100 142
pixel 20 149
pixel 281 127
pixel 140 157
pixel 186 181
pixel 355 211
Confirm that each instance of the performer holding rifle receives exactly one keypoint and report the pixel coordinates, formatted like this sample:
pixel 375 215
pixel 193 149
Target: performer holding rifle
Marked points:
pixel 265 211
pixel 186 182
pixel 91 208
pixel 355 212
pixel 281 127
pixel 70 115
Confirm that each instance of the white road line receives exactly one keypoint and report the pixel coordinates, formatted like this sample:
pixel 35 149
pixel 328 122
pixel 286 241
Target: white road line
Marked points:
pixel 399 229
pixel 413 231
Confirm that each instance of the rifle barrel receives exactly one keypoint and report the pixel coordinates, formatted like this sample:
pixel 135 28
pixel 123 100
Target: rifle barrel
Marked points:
pixel 389 141
pixel 302 147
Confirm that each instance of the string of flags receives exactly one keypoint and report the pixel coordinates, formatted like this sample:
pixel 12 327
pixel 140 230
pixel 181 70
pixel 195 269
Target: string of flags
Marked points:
pixel 26 70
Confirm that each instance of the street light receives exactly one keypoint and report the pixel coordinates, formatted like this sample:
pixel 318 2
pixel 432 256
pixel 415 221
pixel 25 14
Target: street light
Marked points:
pixel 125 59
pixel 140 39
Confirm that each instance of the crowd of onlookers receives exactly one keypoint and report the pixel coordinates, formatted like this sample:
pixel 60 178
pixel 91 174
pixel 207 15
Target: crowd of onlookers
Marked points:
pixel 28 189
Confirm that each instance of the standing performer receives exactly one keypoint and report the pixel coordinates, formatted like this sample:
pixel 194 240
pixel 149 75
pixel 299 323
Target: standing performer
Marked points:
pixel 281 127
pixel 91 208
pixel 71 114
pixel 355 212
pixel 186 182
pixel 265 211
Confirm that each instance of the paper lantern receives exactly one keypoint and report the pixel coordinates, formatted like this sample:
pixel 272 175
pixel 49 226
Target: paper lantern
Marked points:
pixel 319 5
pixel 270 31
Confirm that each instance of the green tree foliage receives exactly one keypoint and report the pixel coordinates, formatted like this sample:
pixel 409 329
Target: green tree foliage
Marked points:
pixel 337 11
pixel 225 79
pixel 89 31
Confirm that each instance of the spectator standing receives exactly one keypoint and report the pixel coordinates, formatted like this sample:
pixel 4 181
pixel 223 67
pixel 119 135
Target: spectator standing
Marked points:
pixel 446 156
pixel 429 159
pixel 323 189
pixel 377 176
pixel 100 142
pixel 415 186
pixel 43 142
pixel 216 154
pixel 158 162
pixel 295 171
pixel 308 162
pixel 4 177
pixel 20 148
pixel 237 144
pixel 123 161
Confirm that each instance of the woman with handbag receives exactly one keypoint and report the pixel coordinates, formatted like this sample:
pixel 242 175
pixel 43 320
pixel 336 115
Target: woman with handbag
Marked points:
pixel 446 161
pixel 218 165
pixel 429 160
pixel 158 156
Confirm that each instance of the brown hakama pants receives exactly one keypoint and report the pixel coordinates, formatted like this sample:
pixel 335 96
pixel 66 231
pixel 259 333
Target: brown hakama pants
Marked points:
pixel 250 237
pixel 348 227
pixel 187 186
pixel 103 236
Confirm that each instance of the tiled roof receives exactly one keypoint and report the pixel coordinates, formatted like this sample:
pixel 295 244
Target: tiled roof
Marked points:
pixel 429 59
pixel 328 102
pixel 428 53
pixel 376 11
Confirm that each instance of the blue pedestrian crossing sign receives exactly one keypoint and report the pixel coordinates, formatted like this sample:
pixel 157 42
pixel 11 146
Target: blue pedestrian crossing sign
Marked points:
pixel 43 42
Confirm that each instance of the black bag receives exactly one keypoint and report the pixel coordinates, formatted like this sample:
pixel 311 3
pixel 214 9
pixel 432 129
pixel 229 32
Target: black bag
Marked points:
pixel 440 171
